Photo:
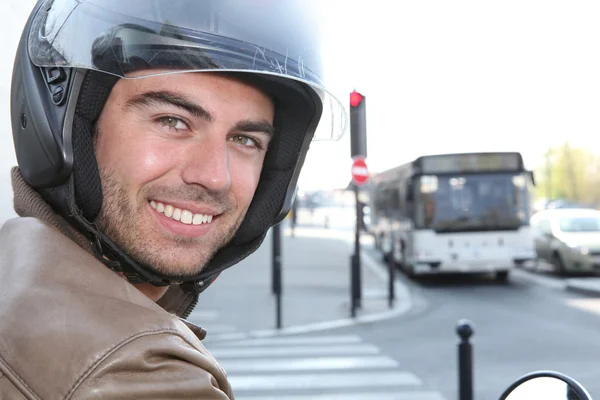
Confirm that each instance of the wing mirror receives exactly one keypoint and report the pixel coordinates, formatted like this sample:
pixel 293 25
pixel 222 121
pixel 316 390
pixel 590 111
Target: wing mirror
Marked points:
pixel 547 385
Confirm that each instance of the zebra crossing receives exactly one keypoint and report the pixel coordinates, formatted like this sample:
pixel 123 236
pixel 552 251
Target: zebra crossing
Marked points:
pixel 208 319
pixel 316 367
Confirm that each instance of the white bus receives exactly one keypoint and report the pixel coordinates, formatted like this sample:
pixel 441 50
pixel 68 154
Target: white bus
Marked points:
pixel 454 213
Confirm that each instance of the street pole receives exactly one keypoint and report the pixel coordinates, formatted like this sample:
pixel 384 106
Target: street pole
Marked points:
pixel 277 274
pixel 392 279
pixel 358 152
pixel 357 274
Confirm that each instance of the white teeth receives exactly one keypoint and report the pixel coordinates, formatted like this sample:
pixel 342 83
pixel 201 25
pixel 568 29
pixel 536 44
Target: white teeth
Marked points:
pixel 176 214
pixel 184 216
pixel 187 217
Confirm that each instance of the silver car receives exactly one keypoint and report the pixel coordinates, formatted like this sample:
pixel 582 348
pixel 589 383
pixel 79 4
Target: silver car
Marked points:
pixel 568 238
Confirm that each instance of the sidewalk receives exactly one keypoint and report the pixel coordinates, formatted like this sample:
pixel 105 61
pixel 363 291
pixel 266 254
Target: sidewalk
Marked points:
pixel 316 288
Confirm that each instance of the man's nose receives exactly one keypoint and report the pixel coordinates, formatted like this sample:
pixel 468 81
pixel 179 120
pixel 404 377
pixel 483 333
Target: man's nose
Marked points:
pixel 207 164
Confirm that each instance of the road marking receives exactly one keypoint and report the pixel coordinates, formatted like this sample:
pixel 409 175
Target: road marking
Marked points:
pixel 308 364
pixel 318 381
pixel 286 351
pixel 297 341
pixel 317 367
pixel 218 329
pixel 204 315
pixel 589 305
pixel 370 395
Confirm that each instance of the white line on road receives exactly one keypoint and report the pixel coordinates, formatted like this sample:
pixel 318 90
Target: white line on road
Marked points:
pixel 362 379
pixel 370 395
pixel 308 364
pixel 204 315
pixel 218 329
pixel 298 341
pixel 263 352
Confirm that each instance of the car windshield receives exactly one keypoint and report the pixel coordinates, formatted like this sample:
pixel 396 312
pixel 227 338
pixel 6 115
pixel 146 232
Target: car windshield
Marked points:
pixel 580 224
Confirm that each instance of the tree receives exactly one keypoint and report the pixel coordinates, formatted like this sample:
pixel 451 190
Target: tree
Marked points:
pixel 570 173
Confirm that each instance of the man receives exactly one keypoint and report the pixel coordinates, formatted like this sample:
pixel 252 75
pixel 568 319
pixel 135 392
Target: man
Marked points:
pixel 157 142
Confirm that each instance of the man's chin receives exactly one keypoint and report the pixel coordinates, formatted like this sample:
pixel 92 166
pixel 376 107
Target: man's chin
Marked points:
pixel 176 272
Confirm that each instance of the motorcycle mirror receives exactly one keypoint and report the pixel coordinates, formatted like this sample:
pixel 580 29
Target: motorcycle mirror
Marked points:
pixel 548 385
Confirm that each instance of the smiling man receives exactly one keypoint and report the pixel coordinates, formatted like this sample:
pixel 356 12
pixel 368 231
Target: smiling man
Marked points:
pixel 157 142
pixel 180 157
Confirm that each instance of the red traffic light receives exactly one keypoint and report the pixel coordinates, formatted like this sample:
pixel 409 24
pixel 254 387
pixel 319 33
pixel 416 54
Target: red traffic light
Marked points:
pixel 355 98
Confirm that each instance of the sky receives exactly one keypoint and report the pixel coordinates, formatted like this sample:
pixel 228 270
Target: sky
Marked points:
pixel 438 76
pixel 460 76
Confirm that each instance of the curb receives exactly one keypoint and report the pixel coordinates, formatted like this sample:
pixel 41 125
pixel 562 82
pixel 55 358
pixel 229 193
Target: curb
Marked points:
pixel 587 288
pixel 403 304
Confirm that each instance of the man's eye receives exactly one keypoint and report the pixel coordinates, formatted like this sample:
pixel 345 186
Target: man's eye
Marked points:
pixel 173 123
pixel 246 141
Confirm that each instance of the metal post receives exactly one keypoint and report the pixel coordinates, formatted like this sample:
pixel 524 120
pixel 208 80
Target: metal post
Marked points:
pixel 352 286
pixel 392 276
pixel 277 286
pixel 465 330
pixel 275 252
pixel 357 252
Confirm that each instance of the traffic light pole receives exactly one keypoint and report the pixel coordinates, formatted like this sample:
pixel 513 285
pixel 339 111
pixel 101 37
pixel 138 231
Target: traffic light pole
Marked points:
pixel 277 286
pixel 357 274
pixel 358 149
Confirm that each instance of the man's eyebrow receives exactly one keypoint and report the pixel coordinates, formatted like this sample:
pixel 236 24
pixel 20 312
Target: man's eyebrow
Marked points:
pixel 172 99
pixel 255 126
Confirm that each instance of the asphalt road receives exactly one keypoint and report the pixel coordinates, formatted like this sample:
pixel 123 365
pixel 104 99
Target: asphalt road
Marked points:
pixel 530 323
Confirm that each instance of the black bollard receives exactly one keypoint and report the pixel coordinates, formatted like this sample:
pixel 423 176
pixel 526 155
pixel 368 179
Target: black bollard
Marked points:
pixel 465 330
pixel 392 279
pixel 353 286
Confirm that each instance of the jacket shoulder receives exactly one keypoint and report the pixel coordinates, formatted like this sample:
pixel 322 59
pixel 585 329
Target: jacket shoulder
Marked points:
pixel 154 365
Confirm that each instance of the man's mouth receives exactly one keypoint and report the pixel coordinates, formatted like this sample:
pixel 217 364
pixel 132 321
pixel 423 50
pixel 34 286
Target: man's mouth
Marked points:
pixel 184 216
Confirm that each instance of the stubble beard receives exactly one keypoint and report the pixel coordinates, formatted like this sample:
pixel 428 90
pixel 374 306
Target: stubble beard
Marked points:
pixel 122 222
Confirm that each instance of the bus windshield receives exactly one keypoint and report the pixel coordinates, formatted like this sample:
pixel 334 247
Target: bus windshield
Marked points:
pixel 472 202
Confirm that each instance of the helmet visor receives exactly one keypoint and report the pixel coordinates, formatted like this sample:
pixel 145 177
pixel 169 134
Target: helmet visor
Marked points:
pixel 148 37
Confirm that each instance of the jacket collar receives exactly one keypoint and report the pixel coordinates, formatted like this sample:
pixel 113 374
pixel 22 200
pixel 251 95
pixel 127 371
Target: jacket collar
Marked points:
pixel 29 203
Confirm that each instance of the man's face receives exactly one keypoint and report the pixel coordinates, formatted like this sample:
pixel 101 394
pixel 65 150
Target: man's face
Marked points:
pixel 180 157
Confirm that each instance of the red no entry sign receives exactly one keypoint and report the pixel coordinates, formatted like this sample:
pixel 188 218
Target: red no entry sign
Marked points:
pixel 360 172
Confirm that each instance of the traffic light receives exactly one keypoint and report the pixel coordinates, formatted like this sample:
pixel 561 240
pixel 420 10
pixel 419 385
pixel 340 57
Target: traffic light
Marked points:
pixel 355 99
pixel 358 125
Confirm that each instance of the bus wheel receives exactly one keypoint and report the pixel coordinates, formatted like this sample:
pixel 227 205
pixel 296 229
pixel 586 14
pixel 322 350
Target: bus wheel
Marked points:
pixel 502 276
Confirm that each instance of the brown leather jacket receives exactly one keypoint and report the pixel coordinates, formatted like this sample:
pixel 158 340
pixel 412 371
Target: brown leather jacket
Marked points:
pixel 72 329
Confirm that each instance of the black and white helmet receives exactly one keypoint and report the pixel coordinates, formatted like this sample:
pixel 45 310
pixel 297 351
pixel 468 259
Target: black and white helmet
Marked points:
pixel 72 52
